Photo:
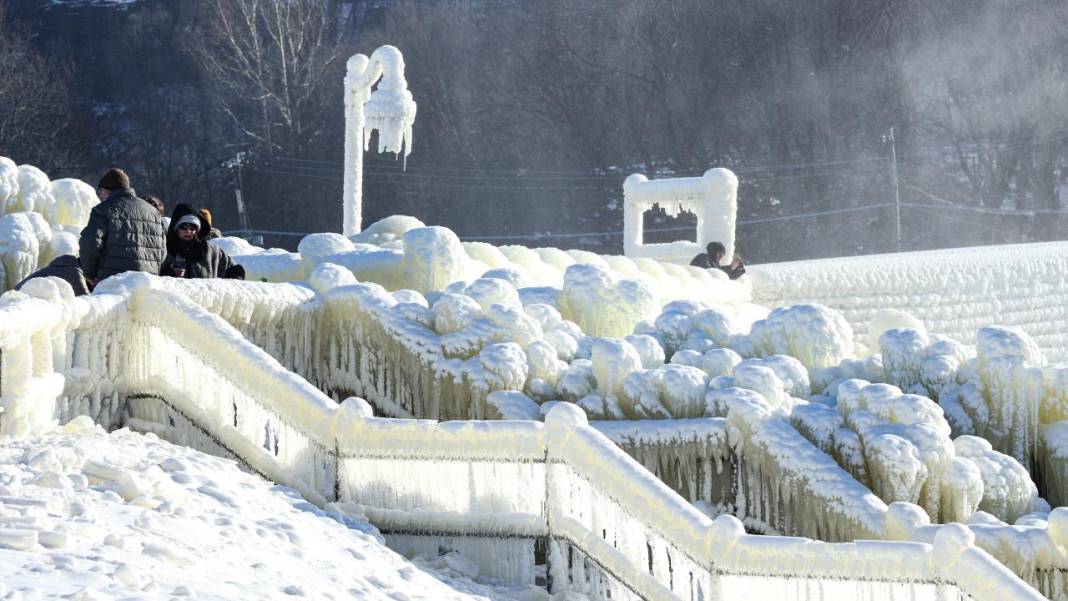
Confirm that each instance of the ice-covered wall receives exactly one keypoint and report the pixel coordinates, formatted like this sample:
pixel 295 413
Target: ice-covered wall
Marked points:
pixel 953 291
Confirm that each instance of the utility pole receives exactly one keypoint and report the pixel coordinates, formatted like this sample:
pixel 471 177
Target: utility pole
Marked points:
pixel 897 189
pixel 235 166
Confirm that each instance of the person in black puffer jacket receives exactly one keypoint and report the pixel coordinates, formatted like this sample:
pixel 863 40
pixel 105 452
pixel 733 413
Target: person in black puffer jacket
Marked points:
pixel 189 255
pixel 124 233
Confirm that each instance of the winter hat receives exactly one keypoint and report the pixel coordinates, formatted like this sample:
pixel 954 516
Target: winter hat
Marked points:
pixel 187 218
pixel 114 179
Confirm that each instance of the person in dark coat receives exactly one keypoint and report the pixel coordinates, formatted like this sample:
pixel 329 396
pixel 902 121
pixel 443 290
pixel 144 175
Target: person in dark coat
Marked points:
pixel 713 256
pixel 124 233
pixel 65 267
pixel 188 253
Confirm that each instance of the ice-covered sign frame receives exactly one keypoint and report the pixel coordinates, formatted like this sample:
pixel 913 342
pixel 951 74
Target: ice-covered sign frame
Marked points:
pixel 713 197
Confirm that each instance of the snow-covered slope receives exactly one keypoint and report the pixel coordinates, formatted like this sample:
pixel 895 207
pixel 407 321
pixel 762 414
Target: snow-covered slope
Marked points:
pixel 90 515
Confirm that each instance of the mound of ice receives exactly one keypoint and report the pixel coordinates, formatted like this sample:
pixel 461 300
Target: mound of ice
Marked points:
pixel 327 276
pixel 19 247
pixel 386 231
pixel 35 192
pixel 813 334
pixel 889 319
pixel 314 248
pixel 9 183
pixel 603 305
pixel 235 247
pixel 74 199
pixel 433 258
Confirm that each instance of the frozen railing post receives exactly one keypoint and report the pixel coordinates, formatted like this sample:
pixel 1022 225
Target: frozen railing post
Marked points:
pixel 713 197
pixel 389 109
pixel 720 539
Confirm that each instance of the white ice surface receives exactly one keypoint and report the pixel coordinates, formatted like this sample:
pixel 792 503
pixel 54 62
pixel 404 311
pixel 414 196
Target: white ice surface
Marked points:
pixel 90 515
pixel 952 291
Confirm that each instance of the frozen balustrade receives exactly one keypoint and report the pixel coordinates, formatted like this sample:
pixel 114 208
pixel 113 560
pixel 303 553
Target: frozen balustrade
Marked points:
pixel 643 541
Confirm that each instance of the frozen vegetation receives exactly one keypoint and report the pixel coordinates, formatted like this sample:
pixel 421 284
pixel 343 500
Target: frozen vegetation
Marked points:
pixel 800 420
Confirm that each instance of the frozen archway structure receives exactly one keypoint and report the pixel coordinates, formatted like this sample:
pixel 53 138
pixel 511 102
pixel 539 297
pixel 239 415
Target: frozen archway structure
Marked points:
pixel 389 109
pixel 713 197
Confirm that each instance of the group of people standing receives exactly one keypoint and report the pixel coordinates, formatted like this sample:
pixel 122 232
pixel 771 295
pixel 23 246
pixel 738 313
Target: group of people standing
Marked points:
pixel 126 233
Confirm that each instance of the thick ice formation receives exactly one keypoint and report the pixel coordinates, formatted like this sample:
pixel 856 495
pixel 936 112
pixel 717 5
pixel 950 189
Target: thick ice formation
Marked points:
pixel 899 445
pixel 74 199
pixel 389 230
pixel 996 390
pixel 813 334
pixel 601 304
pixel 785 483
pixel 39 219
pixel 952 291
pixel 9 184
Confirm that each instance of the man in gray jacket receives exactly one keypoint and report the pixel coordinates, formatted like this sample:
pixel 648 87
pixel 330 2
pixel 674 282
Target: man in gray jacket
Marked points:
pixel 124 233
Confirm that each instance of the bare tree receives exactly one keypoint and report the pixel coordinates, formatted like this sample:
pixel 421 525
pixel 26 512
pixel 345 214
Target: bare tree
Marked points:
pixel 269 63
pixel 34 100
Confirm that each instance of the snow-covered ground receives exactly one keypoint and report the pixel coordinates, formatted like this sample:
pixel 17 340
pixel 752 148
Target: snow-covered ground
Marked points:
pixel 89 515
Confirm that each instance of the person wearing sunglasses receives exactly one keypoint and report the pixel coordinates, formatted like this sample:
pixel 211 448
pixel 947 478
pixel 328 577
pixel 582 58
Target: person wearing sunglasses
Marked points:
pixel 189 255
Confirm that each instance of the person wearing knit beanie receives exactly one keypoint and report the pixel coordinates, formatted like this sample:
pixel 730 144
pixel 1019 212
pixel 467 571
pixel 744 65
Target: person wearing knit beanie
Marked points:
pixel 124 233
pixel 114 179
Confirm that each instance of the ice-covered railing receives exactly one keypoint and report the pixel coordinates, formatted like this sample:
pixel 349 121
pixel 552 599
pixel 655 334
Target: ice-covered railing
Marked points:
pixel 373 347
pixel 60 356
pixel 189 375
pixel 39 219
pixel 953 291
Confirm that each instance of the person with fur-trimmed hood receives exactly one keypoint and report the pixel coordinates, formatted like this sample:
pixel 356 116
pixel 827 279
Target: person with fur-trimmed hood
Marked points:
pixel 189 255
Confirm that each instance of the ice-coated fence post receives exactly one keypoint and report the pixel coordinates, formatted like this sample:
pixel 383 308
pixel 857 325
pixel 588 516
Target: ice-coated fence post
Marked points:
pixel 350 415
pixel 560 424
pixel 903 519
pixel 724 534
pixel 950 543
pixel 1057 529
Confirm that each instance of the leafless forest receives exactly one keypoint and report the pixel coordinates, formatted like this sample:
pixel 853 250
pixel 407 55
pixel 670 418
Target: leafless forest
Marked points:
pixel 531 112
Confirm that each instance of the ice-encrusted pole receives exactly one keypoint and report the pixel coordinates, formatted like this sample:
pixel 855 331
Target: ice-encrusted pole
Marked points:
pixel 389 109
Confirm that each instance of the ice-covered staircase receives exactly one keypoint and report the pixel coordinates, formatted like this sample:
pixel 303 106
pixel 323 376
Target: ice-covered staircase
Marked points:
pixel 497 491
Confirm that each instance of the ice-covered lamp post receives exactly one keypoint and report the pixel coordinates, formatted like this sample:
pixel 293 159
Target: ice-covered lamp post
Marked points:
pixel 389 109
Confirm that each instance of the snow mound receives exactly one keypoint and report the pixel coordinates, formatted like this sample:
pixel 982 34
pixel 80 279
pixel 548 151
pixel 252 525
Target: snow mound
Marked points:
pixel 126 515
